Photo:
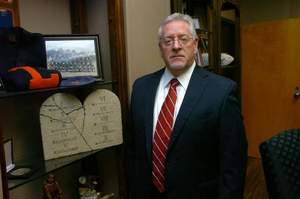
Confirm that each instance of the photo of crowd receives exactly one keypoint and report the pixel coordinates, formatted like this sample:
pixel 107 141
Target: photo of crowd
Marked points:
pixel 72 57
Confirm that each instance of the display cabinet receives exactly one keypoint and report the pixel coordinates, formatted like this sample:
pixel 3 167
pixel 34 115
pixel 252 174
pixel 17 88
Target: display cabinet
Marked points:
pixel 228 16
pixel 19 120
pixel 20 123
pixel 202 13
pixel 219 37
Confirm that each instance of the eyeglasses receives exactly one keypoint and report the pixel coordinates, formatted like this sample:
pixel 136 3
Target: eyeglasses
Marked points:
pixel 182 40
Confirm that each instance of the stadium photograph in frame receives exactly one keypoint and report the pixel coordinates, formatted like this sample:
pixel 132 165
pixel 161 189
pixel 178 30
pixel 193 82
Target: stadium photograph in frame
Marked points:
pixel 74 55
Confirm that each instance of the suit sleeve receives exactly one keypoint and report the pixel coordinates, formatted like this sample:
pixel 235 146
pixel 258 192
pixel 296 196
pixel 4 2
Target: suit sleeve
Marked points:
pixel 129 146
pixel 233 148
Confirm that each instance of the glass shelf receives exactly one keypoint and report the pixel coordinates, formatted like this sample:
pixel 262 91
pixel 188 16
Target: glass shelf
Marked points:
pixel 230 66
pixel 43 167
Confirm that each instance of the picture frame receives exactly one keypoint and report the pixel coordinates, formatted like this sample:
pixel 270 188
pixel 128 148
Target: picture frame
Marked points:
pixel 74 55
pixel 15 171
pixel 1 85
pixel 8 151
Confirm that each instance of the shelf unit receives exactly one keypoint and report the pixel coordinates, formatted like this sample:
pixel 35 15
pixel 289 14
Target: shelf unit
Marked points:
pixel 220 21
pixel 18 106
pixel 21 124
pixel 42 168
pixel 229 39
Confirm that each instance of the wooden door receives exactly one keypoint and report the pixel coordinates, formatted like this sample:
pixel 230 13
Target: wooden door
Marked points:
pixel 270 76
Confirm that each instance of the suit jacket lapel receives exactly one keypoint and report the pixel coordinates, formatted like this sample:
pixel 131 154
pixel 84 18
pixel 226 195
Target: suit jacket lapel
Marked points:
pixel 192 95
pixel 150 99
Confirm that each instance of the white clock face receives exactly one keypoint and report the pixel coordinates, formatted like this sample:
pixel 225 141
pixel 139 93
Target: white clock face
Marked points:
pixel 82 179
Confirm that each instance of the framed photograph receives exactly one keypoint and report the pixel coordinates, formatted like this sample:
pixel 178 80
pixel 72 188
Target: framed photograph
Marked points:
pixel 74 55
pixel 15 171
pixel 1 85
pixel 8 151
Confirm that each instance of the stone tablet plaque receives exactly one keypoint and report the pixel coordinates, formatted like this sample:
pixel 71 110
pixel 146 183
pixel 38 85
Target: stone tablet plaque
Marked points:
pixel 68 127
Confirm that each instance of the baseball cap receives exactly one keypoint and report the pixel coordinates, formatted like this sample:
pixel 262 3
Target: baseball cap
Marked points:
pixel 22 78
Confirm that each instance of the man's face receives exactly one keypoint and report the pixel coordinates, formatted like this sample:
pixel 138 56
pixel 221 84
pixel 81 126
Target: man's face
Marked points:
pixel 177 47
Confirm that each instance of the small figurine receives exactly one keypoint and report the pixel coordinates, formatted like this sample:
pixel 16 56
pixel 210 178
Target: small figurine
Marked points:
pixel 51 188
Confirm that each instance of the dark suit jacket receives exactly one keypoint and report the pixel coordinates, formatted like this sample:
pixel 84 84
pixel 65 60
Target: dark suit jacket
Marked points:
pixel 208 149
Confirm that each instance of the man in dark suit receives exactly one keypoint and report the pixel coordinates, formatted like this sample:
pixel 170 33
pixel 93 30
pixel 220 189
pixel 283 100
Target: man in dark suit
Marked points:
pixel 187 139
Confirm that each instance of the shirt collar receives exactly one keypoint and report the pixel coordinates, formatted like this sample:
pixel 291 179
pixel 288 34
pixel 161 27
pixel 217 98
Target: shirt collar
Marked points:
pixel 183 78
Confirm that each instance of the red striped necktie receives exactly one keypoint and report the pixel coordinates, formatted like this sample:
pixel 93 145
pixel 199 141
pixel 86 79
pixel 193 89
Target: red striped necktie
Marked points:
pixel 162 136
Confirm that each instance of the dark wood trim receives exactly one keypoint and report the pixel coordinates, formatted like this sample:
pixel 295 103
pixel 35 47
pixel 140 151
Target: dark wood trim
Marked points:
pixel 17 15
pixel 119 73
pixel 176 6
pixel 218 7
pixel 14 7
pixel 118 53
pixel 211 36
pixel 78 16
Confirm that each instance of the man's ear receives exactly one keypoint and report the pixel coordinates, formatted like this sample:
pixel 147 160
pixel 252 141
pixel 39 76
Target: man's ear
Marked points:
pixel 196 46
pixel 159 45
pixel 160 49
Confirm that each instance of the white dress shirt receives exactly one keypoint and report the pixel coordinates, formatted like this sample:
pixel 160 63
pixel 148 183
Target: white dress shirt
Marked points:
pixel 163 88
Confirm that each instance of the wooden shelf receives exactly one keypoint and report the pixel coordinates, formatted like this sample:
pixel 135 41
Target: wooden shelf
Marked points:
pixel 5 94
pixel 35 159
pixel 20 116
pixel 230 66
pixel 43 168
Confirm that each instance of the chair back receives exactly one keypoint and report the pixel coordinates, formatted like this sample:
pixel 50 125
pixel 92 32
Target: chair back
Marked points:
pixel 281 162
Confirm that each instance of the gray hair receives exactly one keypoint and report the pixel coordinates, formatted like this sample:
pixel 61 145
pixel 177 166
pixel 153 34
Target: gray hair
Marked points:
pixel 178 17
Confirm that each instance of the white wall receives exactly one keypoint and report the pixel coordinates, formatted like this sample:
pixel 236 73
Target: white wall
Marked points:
pixel 142 19
pixel 45 16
